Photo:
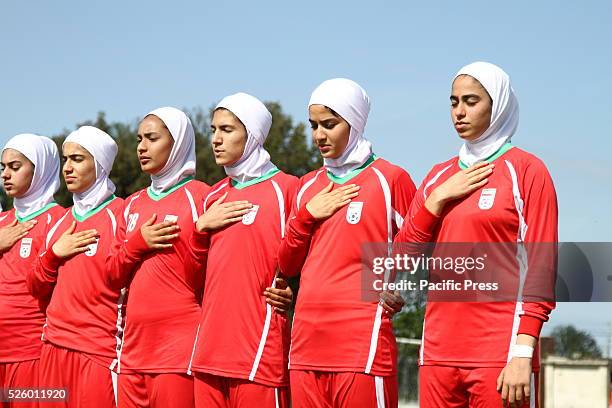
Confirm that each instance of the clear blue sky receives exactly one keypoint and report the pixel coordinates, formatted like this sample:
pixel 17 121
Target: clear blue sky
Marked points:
pixel 62 62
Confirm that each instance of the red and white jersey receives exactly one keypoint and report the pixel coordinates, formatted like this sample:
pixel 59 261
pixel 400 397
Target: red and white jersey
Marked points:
pixel 240 335
pixel 165 292
pixel 518 204
pixel 86 310
pixel 334 329
pixel 22 315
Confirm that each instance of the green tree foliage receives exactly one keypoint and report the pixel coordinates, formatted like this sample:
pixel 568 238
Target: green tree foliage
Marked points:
pixel 575 344
pixel 4 201
pixel 287 143
pixel 409 324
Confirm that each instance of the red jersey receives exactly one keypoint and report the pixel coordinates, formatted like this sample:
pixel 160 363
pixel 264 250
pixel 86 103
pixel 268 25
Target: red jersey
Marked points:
pixel 334 329
pixel 517 205
pixel 85 312
pixel 22 315
pixel 165 292
pixel 240 335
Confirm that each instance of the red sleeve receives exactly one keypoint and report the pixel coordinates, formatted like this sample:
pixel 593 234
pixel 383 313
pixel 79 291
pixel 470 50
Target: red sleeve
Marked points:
pixel 124 255
pixel 4 225
pixel 402 194
pixel 199 244
pixel 419 223
pixel 42 278
pixel 541 237
pixel 291 196
pixel 296 243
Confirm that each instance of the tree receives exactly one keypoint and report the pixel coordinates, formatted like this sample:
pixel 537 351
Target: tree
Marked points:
pixel 409 324
pixel 575 344
pixel 4 200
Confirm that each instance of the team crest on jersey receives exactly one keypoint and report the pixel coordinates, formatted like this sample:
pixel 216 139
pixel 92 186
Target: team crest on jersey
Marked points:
pixel 487 197
pixel 353 214
pixel 26 247
pixel 171 218
pixel 92 249
pixel 132 219
pixel 249 218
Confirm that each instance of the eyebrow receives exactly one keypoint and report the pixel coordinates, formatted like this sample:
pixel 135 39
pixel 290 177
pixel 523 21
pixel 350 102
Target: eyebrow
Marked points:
pixel 9 163
pixel 329 119
pixel 468 96
pixel 148 134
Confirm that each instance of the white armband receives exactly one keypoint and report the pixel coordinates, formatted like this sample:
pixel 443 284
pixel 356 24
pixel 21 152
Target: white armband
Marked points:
pixel 521 350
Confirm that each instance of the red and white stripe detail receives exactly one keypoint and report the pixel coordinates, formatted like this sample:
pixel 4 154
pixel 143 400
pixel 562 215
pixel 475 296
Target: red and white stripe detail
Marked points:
pixel 266 328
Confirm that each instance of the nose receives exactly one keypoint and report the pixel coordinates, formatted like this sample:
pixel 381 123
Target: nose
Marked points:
pixel 5 173
pixel 141 147
pixel 459 111
pixel 318 134
pixel 216 138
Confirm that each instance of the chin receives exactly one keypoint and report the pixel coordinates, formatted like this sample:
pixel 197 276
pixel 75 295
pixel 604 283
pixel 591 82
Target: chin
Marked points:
pixel 149 169
pixel 329 155
pixel 466 136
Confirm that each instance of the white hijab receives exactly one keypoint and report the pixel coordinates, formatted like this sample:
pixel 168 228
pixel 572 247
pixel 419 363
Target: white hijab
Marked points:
pixel 104 150
pixel 504 112
pixel 349 100
pixel 182 160
pixel 42 152
pixel 255 160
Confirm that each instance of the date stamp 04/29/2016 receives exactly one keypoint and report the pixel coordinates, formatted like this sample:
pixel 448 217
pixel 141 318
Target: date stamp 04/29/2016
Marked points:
pixel 33 394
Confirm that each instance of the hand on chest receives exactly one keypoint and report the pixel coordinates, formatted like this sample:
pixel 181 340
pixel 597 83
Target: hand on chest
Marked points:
pixel 136 218
pixel 263 213
pixel 494 202
pixel 257 214
pixel 178 208
pixel 369 206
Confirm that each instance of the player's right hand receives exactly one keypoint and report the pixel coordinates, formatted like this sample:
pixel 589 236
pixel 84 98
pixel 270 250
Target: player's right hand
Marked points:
pixel 326 202
pixel 160 235
pixel 71 243
pixel 13 233
pixel 459 185
pixel 221 214
pixel 392 302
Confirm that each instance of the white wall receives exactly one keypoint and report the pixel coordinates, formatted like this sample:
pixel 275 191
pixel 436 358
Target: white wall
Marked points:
pixel 576 384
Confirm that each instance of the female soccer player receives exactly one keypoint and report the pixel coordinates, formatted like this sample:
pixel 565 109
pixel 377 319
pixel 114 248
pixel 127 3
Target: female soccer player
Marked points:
pixel 83 324
pixel 241 354
pixel 343 350
pixel 165 292
pixel 492 192
pixel 30 174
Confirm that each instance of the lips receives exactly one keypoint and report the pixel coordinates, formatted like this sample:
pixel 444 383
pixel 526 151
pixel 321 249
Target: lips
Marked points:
pixel 8 186
pixel 460 126
pixel 324 149
pixel 144 160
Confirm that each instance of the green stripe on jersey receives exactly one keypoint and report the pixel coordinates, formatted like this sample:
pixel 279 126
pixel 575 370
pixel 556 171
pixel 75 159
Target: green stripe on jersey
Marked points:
pixel 507 146
pixel 35 213
pixel 172 189
pixel 238 185
pixel 352 173
pixel 81 218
